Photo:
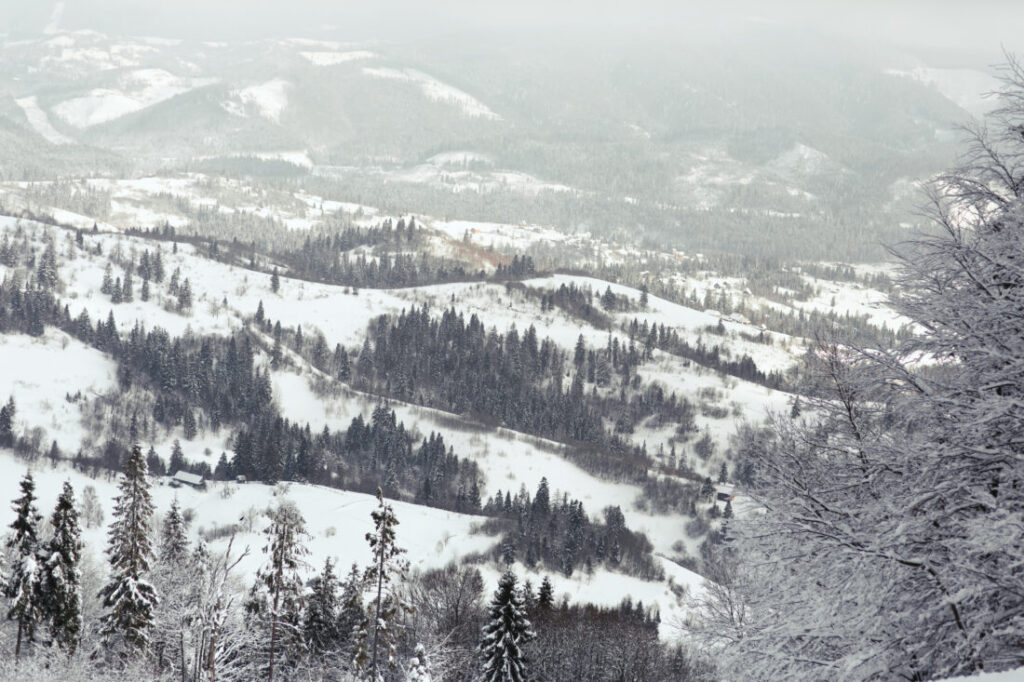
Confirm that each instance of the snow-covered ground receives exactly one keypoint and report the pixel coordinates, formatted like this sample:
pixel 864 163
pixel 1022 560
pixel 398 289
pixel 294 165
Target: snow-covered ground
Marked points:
pixel 435 90
pixel 1006 676
pixel 136 90
pixel 40 121
pixel 268 99
pixel 337 522
pixel 330 58
pixel 42 374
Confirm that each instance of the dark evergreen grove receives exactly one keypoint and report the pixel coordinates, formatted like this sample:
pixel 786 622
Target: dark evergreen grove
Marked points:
pixel 558 535
pixel 516 381
pixel 324 257
pixel 217 377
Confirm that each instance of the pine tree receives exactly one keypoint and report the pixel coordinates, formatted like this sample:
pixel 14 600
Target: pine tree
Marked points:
pixel 177 462
pixel 107 286
pixel 128 288
pixel 158 266
pixel 46 272
pixel 546 596
pixel 185 295
pixel 321 625
pixel 504 635
pixel 144 295
pixel 61 580
pixel 129 596
pixel 351 615
pixel 387 568
pixel 7 413
pixel 174 537
pixel 276 602
pixel 275 281
pixel 23 586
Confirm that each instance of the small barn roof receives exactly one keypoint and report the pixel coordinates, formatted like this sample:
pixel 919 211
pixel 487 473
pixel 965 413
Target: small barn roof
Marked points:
pixel 186 477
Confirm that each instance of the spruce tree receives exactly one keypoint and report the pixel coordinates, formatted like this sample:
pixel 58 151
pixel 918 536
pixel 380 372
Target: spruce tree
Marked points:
pixel 504 635
pixel 158 266
pixel 352 612
pixel 321 625
pixel 381 633
pixel 61 580
pixel 129 596
pixel 546 596
pixel 7 413
pixel 23 586
pixel 174 537
pixel 275 281
pixel 276 602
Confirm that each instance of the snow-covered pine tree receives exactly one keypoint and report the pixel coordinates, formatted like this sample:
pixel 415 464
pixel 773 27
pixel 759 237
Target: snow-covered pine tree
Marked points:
pixel 23 587
pixel 277 598
pixel 504 635
pixel 61 580
pixel 546 595
pixel 175 577
pixel 129 596
pixel 379 635
pixel 174 537
pixel 321 623
pixel 351 612
pixel 7 413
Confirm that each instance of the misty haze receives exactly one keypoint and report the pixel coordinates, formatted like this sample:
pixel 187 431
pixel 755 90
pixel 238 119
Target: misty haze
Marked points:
pixel 438 340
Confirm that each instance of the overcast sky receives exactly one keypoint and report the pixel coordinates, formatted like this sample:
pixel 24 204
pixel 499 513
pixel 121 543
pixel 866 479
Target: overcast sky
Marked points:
pixel 975 25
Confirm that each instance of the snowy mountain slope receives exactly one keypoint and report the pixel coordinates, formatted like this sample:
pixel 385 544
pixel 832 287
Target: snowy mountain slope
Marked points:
pixel 967 88
pixel 508 460
pixel 337 522
pixel 436 90
pixel 134 91
pixel 40 121
pixel 45 374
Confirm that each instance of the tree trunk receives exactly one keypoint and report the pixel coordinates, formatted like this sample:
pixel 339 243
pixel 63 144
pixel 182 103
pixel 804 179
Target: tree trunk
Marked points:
pixel 376 616
pixel 17 646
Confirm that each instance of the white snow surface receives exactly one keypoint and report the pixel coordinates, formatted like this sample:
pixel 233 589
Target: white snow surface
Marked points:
pixel 269 98
pixel 40 121
pixel 1005 676
pixel 136 91
pixel 41 373
pixel 434 89
pixel 334 58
